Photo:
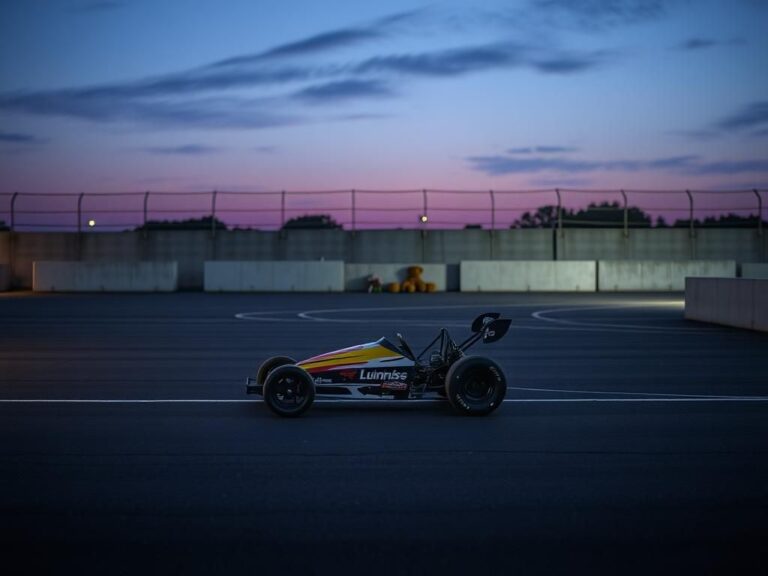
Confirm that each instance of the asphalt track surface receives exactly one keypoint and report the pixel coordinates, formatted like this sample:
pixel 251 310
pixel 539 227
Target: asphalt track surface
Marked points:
pixel 631 440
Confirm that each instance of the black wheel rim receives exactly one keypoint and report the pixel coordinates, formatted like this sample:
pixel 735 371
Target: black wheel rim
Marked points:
pixel 479 387
pixel 289 393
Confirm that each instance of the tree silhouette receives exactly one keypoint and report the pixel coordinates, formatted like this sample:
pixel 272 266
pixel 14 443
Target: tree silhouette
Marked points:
pixel 603 215
pixel 204 223
pixel 311 222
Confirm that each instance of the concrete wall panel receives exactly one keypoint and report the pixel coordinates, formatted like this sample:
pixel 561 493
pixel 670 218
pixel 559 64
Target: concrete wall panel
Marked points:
pixel 525 276
pixel 738 302
pixel 660 276
pixel 356 274
pixel 754 270
pixel 274 276
pixel 62 276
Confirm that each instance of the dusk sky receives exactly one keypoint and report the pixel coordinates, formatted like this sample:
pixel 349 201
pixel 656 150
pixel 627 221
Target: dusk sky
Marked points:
pixel 183 95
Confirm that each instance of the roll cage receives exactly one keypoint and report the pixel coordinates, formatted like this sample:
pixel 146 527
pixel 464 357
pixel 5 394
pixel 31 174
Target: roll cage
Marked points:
pixel 487 327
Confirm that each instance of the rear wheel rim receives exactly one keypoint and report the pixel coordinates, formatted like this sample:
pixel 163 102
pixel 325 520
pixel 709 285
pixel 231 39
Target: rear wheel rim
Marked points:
pixel 289 393
pixel 479 387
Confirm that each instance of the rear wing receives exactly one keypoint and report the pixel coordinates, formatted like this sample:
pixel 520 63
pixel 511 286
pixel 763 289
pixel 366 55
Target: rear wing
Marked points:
pixel 489 327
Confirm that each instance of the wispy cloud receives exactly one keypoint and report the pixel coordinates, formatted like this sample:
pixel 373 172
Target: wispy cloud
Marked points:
pixel 697 44
pixel 344 90
pixel 203 96
pixel 19 138
pixel 183 150
pixel 693 44
pixel 754 115
pixel 200 112
pixel 326 41
pixel 687 164
pixel 603 13
pixel 542 150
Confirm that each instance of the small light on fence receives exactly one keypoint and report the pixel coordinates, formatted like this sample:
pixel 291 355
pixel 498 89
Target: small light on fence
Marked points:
pixel 423 218
pixel 91 223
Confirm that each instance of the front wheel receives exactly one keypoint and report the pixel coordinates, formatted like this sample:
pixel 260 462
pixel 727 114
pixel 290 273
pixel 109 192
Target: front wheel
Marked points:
pixel 270 364
pixel 289 391
pixel 475 386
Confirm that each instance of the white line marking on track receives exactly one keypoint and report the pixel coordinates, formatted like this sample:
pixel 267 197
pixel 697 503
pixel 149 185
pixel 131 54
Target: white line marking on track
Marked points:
pixel 542 315
pixel 607 393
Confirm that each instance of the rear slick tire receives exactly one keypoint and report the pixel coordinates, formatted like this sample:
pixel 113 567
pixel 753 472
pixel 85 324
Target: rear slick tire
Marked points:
pixel 475 386
pixel 289 391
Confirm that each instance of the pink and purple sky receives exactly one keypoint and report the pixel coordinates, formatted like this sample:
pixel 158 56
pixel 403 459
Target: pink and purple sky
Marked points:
pixel 116 95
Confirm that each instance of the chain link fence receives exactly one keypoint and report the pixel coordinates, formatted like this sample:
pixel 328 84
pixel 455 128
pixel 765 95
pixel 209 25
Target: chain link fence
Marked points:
pixel 382 209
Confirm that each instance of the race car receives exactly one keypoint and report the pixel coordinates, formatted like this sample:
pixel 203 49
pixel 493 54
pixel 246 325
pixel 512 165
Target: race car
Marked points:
pixel 473 385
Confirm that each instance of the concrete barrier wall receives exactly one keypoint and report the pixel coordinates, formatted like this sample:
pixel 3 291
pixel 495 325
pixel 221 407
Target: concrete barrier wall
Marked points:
pixel 104 276
pixel 356 275
pixel 274 276
pixel 661 276
pixel 738 302
pixel 754 270
pixel 190 248
pixel 5 277
pixel 528 276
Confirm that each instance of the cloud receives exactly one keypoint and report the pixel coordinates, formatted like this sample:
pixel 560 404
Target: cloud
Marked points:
pixel 569 64
pixel 344 90
pixel 754 115
pixel 450 62
pixel 326 41
pixel 183 150
pixel 542 150
pixel 688 164
pixel 606 11
pixel 693 44
pixel 697 44
pixel 731 167
pixel 19 138
pixel 197 97
pixel 602 13
pixel 209 112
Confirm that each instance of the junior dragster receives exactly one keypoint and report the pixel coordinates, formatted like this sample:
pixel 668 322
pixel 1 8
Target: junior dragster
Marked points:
pixel 473 385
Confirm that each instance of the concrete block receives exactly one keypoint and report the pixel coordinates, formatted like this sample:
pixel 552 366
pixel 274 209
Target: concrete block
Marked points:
pixel 274 276
pixel 738 302
pixel 356 274
pixel 5 277
pixel 754 270
pixel 104 276
pixel 527 276
pixel 657 275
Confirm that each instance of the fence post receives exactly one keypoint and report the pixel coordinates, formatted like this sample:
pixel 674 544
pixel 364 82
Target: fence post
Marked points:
pixel 353 210
pixel 559 212
pixel 626 215
pixel 493 220
pixel 13 211
pixel 80 212
pixel 213 214
pixel 80 226
pixel 759 212
pixel 146 202
pixel 12 237
pixel 493 210
pixel 690 214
